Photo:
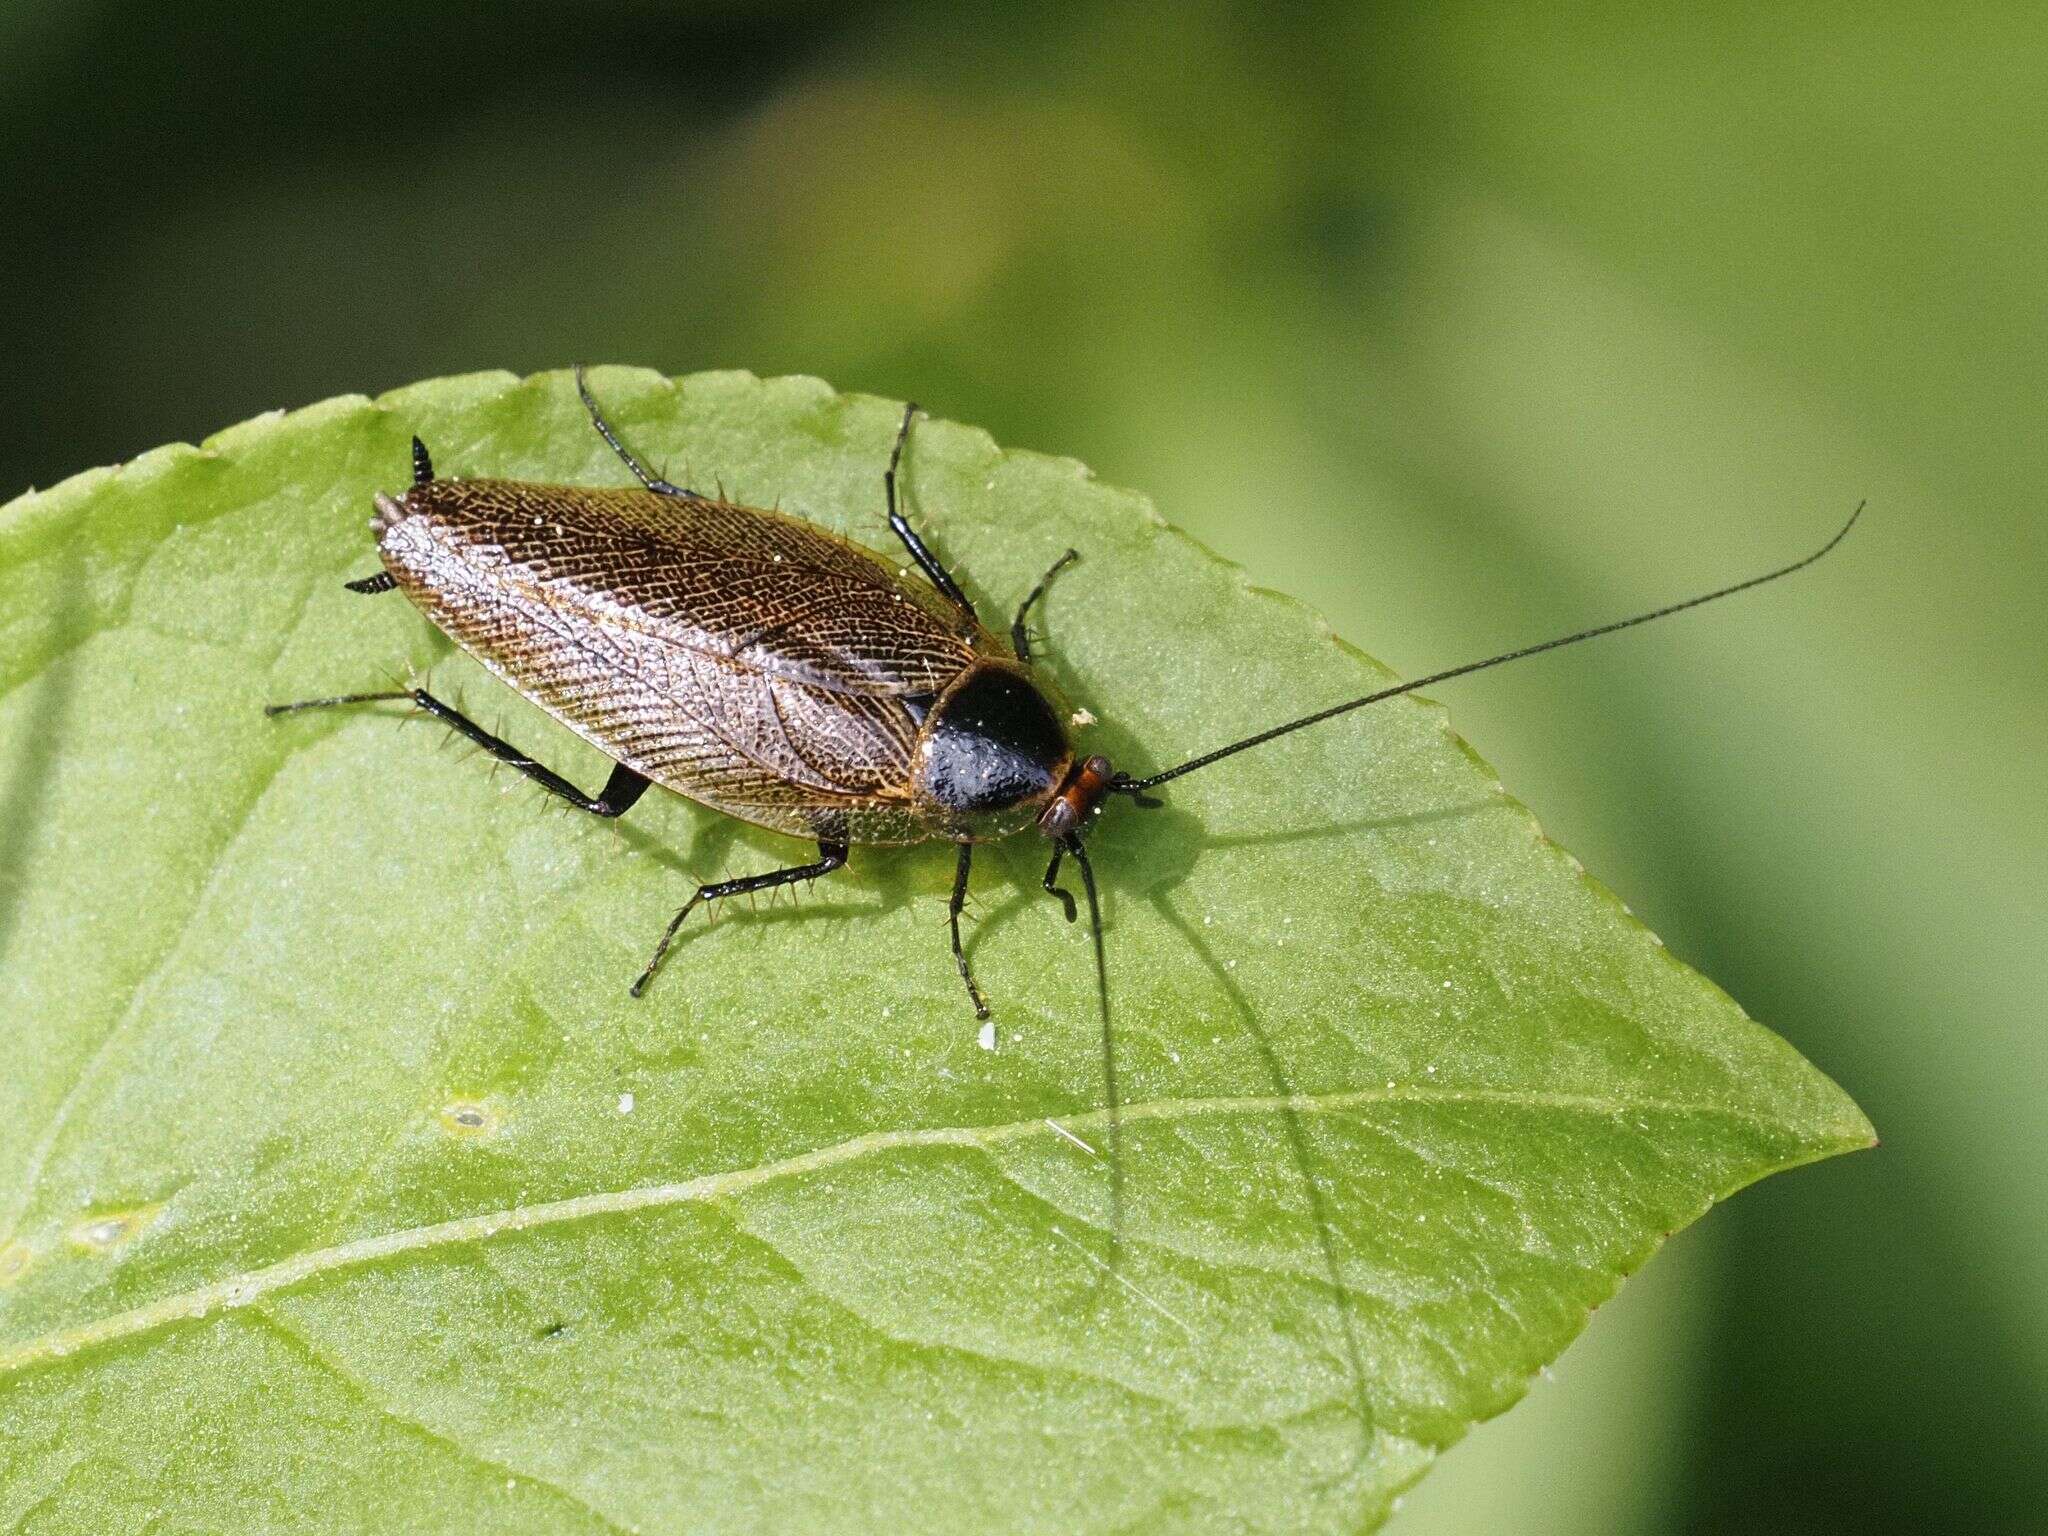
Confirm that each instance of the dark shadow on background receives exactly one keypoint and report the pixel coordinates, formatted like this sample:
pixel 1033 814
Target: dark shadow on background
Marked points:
pixel 1282 1087
pixel 1157 853
pixel 1282 835
pixel 31 777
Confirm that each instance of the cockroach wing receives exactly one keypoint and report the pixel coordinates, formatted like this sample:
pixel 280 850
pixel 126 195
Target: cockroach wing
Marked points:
pixel 743 658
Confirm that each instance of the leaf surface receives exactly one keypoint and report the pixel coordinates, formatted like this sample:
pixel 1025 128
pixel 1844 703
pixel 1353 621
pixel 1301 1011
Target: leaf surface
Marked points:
pixel 342 1186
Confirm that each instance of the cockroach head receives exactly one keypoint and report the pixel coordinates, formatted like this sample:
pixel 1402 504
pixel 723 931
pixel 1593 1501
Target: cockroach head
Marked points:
pixel 1086 786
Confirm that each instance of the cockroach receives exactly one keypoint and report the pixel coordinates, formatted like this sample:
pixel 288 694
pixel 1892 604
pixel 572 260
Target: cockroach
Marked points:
pixel 778 673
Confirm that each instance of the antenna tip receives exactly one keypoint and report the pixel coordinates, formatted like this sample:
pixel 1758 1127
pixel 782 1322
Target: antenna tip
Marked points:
pixel 1844 531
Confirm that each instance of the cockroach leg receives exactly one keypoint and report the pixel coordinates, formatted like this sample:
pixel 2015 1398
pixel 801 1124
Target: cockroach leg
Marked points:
pixel 654 483
pixel 831 856
pixel 953 917
pixel 1052 874
pixel 1020 640
pixel 926 560
pixel 333 701
pixel 620 790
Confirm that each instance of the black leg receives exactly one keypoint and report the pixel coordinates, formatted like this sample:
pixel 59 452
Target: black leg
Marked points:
pixel 370 586
pixel 332 701
pixel 1020 642
pixel 620 790
pixel 653 483
pixel 1052 874
pixel 953 917
pixel 830 857
pixel 926 560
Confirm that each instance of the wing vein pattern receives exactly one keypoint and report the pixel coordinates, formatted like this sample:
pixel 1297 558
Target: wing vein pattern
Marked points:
pixel 744 658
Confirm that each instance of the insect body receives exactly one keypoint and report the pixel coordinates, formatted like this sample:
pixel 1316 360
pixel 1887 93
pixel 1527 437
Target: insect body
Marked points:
pixel 776 672
pixel 744 658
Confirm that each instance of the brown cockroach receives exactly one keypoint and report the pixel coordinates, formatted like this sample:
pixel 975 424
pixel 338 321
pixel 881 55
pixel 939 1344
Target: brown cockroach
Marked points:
pixel 781 674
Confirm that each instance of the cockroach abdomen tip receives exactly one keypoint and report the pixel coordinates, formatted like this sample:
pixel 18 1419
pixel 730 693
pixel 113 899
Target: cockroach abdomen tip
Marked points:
pixel 388 512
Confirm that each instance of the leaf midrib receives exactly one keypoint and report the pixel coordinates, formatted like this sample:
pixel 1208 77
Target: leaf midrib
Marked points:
pixel 242 1289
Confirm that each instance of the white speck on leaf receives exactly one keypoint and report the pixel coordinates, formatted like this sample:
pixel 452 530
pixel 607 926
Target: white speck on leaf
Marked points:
pixel 110 1229
pixel 1070 1136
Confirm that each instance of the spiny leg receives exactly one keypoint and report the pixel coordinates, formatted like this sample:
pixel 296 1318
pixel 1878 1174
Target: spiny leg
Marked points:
pixel 1020 640
pixel 926 560
pixel 653 483
pixel 953 917
pixel 830 857
pixel 620 790
pixel 332 701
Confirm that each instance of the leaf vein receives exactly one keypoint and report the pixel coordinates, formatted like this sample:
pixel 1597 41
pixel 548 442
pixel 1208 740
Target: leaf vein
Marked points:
pixel 360 1390
pixel 241 1289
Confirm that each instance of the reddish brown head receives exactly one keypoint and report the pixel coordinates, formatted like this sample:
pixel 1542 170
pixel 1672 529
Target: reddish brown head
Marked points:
pixel 1085 788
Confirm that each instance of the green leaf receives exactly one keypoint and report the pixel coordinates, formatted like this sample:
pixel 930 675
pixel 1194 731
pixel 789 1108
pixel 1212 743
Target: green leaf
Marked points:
pixel 325 1205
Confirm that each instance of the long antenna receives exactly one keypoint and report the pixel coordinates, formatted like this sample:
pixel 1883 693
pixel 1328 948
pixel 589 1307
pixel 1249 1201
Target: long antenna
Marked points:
pixel 1124 785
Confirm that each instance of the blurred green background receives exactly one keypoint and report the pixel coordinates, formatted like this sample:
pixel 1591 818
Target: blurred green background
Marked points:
pixel 1467 323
